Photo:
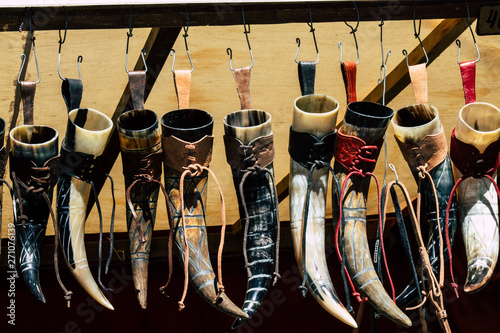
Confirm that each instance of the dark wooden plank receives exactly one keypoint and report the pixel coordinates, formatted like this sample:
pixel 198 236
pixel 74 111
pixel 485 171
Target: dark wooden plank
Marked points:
pixel 158 45
pixel 173 15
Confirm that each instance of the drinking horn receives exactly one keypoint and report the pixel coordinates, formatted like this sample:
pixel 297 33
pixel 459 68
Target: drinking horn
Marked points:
pixel 142 154
pixel 356 151
pixel 86 136
pixel 187 140
pixel 33 148
pixel 474 150
pixel 421 139
pixel 311 145
pixel 250 153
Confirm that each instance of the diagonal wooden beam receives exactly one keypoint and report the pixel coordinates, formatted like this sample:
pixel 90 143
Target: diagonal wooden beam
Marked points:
pixel 398 79
pixel 157 46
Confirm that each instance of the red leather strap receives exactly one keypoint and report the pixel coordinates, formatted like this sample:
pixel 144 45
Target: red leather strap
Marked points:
pixel 468 71
pixel 418 77
pixel 349 69
pixel 354 154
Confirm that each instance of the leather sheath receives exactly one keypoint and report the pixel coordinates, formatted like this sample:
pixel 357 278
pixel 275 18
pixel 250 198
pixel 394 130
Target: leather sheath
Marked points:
pixel 418 77
pixel 307 76
pixel 28 96
pixel 349 69
pixel 306 149
pixel 470 162
pixel 242 79
pixel 72 90
pixel 181 154
pixel 353 153
pixel 77 164
pixel 182 81
pixel 468 71
pixel 149 165
pixel 236 153
pixel 432 149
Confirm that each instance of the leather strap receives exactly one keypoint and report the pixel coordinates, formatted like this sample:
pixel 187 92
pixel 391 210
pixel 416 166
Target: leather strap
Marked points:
pixel 72 93
pixel 307 76
pixel 242 79
pixel 137 83
pixel 349 69
pixel 353 153
pixel 306 149
pixel 182 81
pixel 431 150
pixel 470 162
pixel 241 157
pixel 28 96
pixel 418 77
pixel 142 168
pixel 181 154
pixel 468 71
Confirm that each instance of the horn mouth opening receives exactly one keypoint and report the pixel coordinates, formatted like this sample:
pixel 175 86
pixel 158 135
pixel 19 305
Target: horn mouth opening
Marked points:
pixel 33 135
pixel 247 118
pixel 316 104
pixel 480 117
pixel 187 124
pixel 135 121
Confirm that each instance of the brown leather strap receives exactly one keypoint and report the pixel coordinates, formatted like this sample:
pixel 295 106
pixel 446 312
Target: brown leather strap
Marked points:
pixel 468 71
pixel 137 83
pixel 430 151
pixel 181 154
pixel 182 81
pixel 241 157
pixel 242 79
pixel 418 77
pixel 348 69
pixel 354 154
pixel 28 95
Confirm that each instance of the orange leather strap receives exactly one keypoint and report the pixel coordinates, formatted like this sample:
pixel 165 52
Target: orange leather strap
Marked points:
pixel 418 77
pixel 182 81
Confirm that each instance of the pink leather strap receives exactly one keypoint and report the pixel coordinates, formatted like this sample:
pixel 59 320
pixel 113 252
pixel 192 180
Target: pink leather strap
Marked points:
pixel 468 71
pixel 182 81
pixel 348 69
pixel 242 79
pixel 418 77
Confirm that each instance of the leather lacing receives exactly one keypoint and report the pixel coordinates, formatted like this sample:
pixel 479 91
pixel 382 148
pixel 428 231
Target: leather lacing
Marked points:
pixel 193 170
pixel 252 167
pixel 39 186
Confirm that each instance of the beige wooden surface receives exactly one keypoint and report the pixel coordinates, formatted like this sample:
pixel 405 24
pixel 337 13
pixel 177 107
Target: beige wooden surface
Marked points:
pixel 274 87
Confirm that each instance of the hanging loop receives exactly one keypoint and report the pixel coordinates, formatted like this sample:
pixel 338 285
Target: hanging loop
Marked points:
pixel 353 32
pixel 246 32
pixel 61 42
pixel 393 169
pixel 23 56
pixel 459 44
pixel 185 35
pixel 143 51
pixel 312 30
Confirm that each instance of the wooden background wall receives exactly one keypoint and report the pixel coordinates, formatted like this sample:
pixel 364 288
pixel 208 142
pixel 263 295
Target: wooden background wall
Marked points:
pixel 274 86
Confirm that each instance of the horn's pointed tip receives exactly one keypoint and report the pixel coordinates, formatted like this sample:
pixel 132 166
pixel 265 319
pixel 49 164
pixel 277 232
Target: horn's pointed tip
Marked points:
pixel 238 323
pixel 31 278
pixel 477 277
pixel 140 273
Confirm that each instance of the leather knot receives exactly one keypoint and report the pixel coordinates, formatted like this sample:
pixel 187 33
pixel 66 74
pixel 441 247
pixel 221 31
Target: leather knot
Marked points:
pixel 194 170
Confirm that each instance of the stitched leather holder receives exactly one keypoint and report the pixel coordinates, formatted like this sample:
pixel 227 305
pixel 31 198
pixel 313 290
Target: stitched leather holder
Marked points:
pixel 432 149
pixel 305 148
pixel 418 77
pixel 348 69
pixel 307 76
pixel 468 71
pixel 181 154
pixel 148 165
pixel 470 162
pixel 182 81
pixel 30 174
pixel 238 157
pixel 28 96
pixel 78 164
pixel 3 160
pixel 354 155
pixel 72 93
pixel 242 79
pixel 137 83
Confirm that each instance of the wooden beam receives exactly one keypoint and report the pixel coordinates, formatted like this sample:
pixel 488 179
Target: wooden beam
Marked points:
pixel 157 46
pixel 435 43
pixel 223 13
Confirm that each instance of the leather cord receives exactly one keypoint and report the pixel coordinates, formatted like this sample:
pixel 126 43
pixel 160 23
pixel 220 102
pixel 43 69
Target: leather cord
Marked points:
pixel 468 71
pixel 307 76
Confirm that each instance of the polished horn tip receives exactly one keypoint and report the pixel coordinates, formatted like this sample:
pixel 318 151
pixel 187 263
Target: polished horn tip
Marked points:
pixel 477 277
pixel 403 320
pixel 346 318
pixel 31 279
pixel 140 273
pixel 238 322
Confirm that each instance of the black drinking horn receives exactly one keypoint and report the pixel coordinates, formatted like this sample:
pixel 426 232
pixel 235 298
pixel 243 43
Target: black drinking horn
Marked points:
pixel 358 144
pixel 250 152
pixel 32 148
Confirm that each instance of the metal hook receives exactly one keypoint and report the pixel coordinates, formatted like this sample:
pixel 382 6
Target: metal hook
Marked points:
pixel 473 37
pixel 297 40
pixel 61 42
pixel 417 36
pixel 23 57
pixel 172 52
pixel 353 32
pixel 143 51
pixel 246 32
pixel 393 169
